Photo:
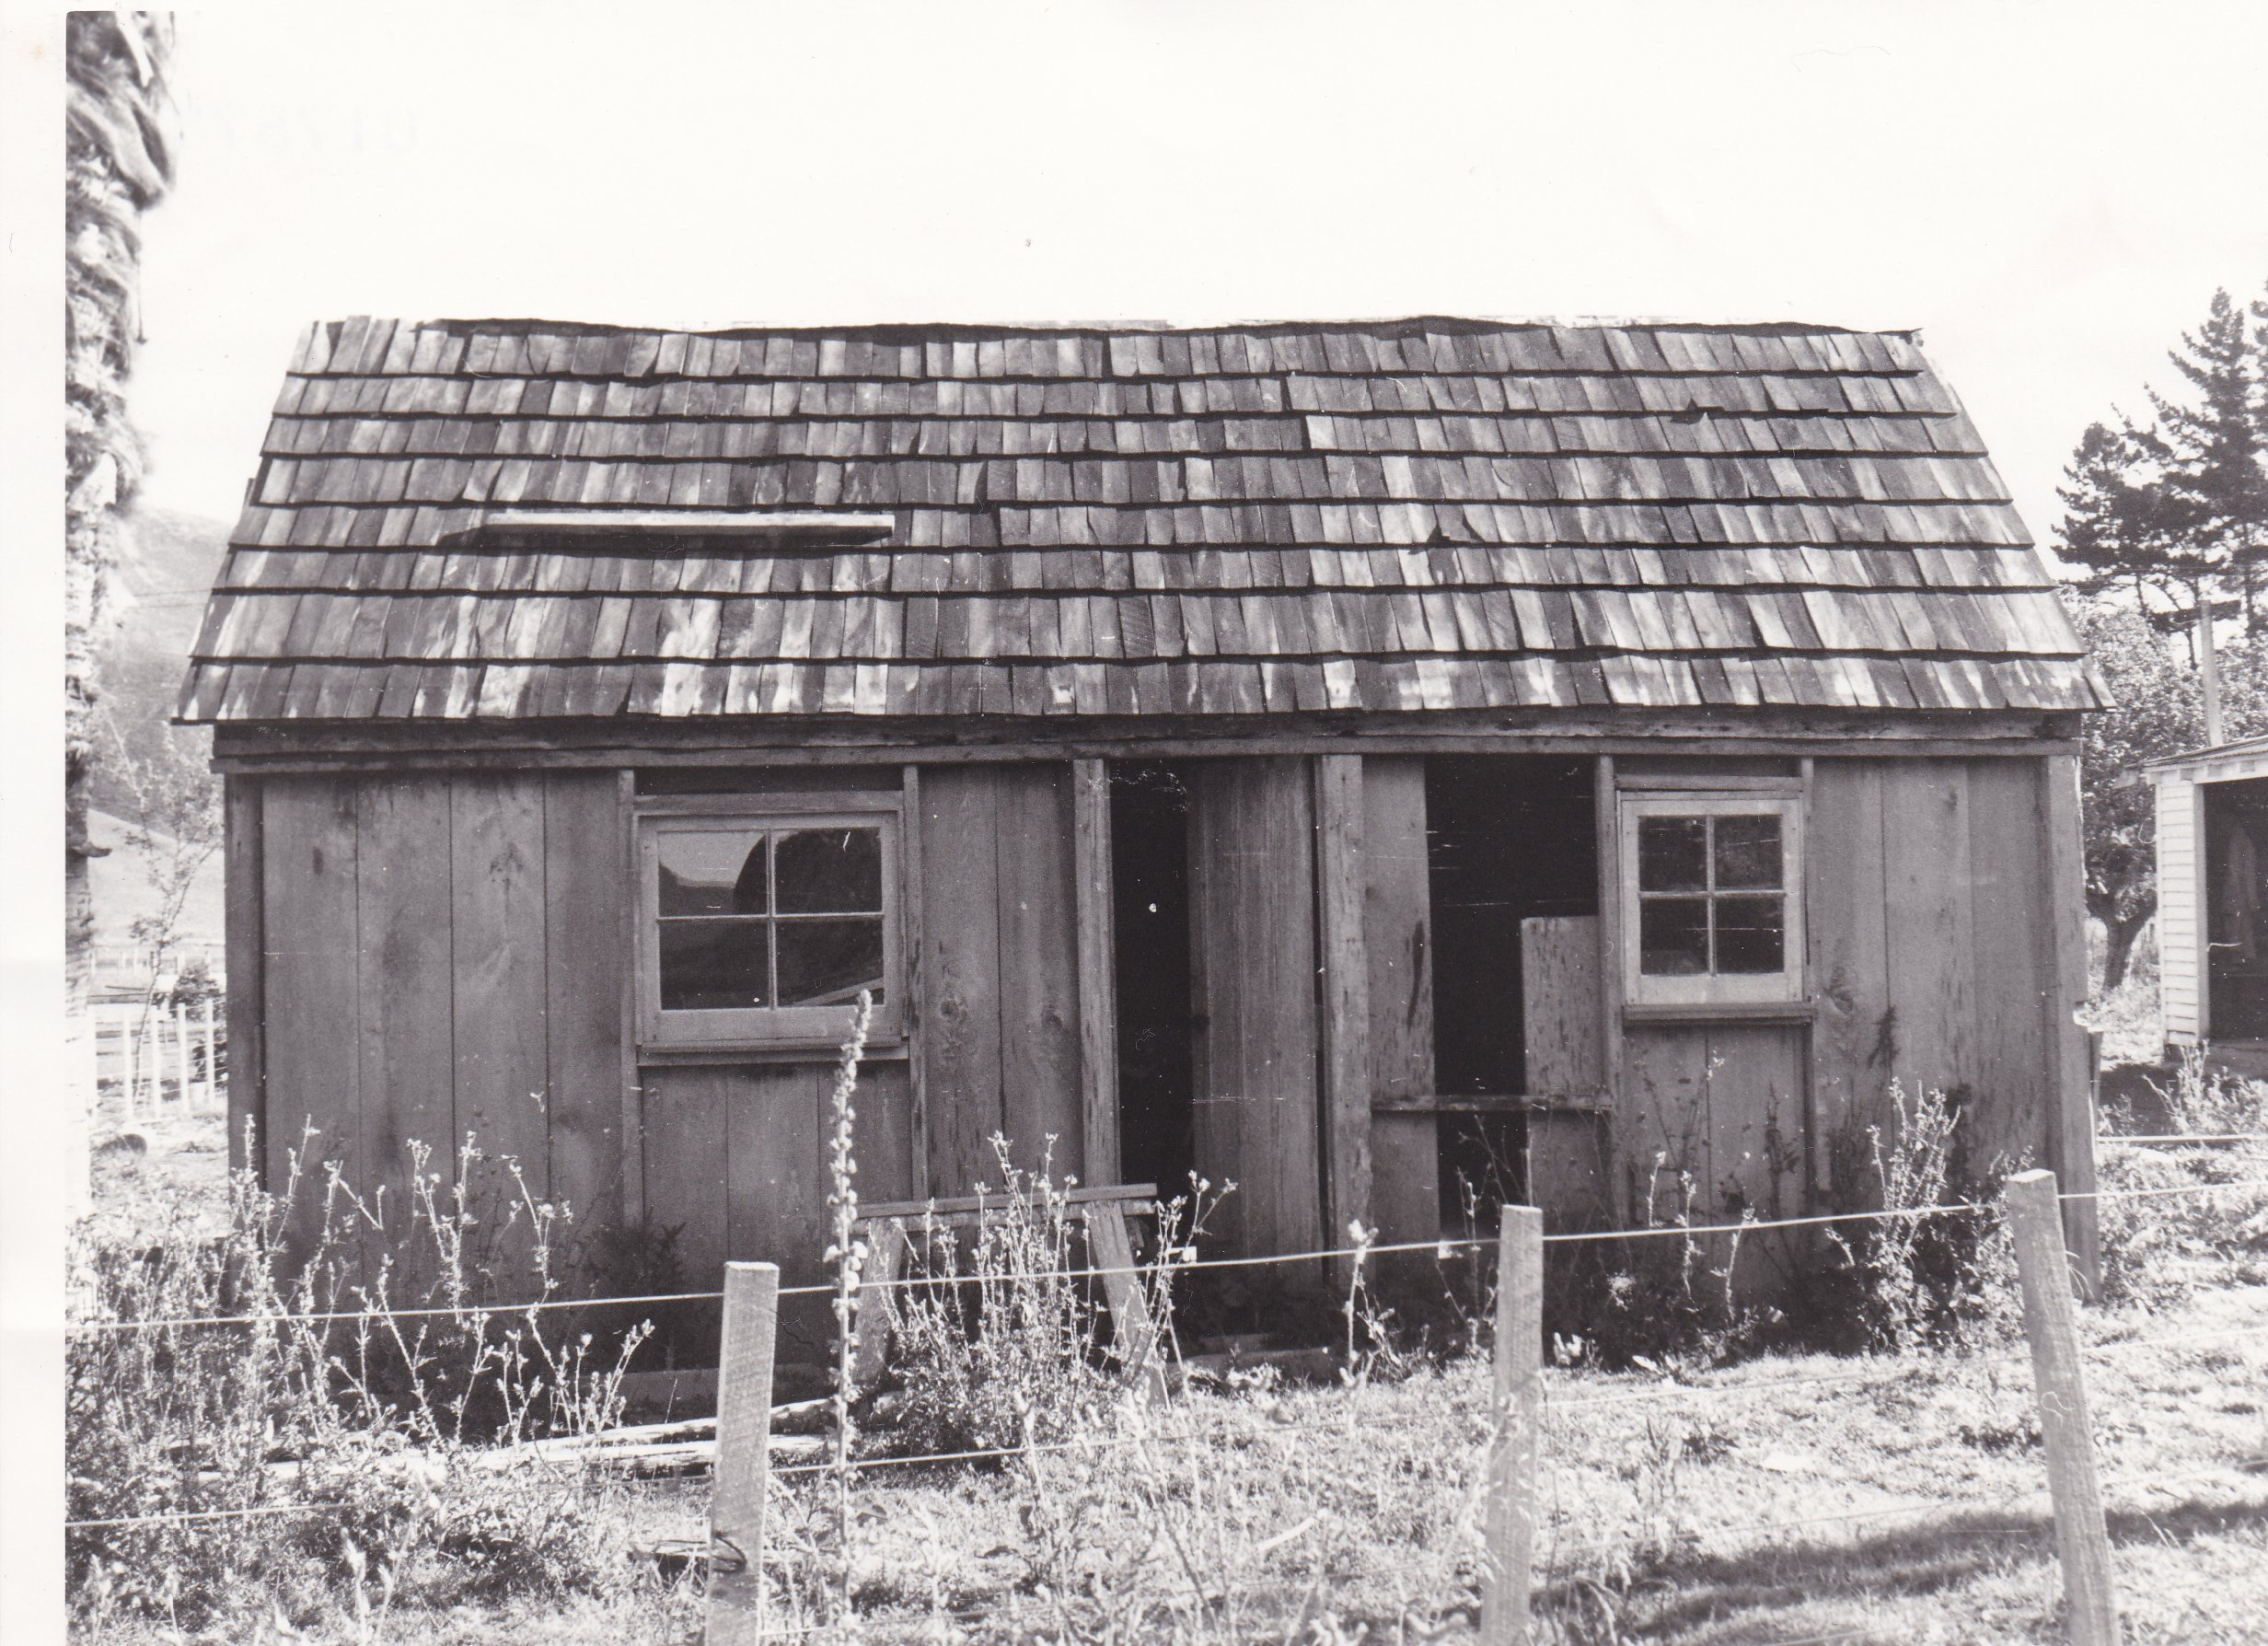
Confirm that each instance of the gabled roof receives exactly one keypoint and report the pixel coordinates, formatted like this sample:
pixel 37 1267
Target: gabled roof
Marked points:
pixel 1411 515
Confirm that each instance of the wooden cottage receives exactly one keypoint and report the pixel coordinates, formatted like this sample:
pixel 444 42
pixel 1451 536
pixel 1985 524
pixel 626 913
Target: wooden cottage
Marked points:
pixel 2212 901
pixel 1379 764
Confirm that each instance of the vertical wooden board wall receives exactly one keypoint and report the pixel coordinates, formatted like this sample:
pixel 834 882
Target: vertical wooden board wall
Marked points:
pixel 496 895
pixel 1340 894
pixel 406 1031
pixel 1756 1083
pixel 2012 1072
pixel 775 1146
pixel 246 1004
pixel 1000 968
pixel 686 1113
pixel 961 973
pixel 1398 938
pixel 1661 1117
pixel 1038 878
pixel 586 894
pixel 1932 923
pixel 1855 1033
pixel 1252 889
pixel 311 963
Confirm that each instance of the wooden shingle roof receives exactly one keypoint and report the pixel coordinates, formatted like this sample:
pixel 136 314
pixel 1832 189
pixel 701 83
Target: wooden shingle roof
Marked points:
pixel 1395 516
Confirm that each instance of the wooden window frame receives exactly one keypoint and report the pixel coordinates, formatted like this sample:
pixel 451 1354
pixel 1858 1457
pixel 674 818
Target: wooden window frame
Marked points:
pixel 765 1029
pixel 1647 991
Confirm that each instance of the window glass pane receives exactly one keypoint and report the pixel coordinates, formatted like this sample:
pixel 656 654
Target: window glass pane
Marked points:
pixel 714 966
pixel 825 963
pixel 1673 936
pixel 1672 853
pixel 829 871
pixel 712 873
pixel 1750 935
pixel 1748 852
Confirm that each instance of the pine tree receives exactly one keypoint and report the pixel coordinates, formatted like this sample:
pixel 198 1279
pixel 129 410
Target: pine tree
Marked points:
pixel 2209 454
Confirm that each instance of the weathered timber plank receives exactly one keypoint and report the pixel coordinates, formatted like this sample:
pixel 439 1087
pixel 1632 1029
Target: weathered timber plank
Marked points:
pixel 1848 945
pixel 404 1029
pixel 1340 892
pixel 1098 993
pixel 1756 1104
pixel 312 974
pixel 1932 944
pixel 1039 1030
pixel 584 893
pixel 630 1092
pixel 1626 1174
pixel 1661 1118
pixel 775 1196
pixel 961 975
pixel 246 1006
pixel 1252 891
pixel 2071 1132
pixel 913 1008
pixel 2014 1067
pixel 1559 1001
pixel 883 1132
pixel 496 875
pixel 1398 938
pixel 686 1164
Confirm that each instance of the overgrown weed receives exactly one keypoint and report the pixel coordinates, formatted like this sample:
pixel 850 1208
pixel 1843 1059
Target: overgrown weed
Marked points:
pixel 239 1454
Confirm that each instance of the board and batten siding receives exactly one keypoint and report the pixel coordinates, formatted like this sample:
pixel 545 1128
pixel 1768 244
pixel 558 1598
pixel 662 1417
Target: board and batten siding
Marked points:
pixel 437 955
pixel 1937 933
pixel 2181 913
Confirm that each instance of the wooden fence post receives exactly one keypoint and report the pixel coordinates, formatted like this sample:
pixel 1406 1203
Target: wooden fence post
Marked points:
pixel 1520 1405
pixel 735 1595
pixel 2082 1540
pixel 212 1065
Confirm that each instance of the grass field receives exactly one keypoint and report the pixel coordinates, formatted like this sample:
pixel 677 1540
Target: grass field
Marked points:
pixel 1888 1499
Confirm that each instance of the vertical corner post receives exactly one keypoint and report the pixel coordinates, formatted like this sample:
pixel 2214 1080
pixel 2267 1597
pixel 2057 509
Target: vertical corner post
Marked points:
pixel 735 1596
pixel 1513 1462
pixel 1346 985
pixel 1098 1005
pixel 2071 1121
pixel 2051 1325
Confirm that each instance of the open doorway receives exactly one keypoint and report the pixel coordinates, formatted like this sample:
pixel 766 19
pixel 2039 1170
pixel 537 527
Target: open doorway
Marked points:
pixel 1508 838
pixel 1150 895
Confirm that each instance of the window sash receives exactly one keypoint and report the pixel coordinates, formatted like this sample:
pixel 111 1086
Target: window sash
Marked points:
pixel 761 1027
pixel 1712 987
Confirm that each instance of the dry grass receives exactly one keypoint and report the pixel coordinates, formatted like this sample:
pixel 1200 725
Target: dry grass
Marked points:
pixel 1703 1512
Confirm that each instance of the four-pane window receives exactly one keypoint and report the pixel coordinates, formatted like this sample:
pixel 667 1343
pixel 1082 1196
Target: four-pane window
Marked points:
pixel 1710 900
pixel 766 928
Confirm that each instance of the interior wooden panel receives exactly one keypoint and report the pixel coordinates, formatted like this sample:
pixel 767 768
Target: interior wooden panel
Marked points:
pixel 1404 1149
pixel 1251 925
pixel 1560 997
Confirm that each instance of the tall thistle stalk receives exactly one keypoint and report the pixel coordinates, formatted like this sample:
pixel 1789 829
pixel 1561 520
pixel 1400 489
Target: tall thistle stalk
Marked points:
pixel 848 1254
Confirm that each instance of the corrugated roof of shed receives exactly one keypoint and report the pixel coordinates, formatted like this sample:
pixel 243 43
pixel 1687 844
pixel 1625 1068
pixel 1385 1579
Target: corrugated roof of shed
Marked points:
pixel 1409 514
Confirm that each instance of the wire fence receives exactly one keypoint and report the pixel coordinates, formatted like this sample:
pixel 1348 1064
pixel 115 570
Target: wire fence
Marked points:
pixel 1576 1396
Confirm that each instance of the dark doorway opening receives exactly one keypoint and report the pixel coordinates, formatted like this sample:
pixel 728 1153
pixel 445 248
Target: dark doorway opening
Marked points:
pixel 2235 909
pixel 1150 895
pixel 1509 837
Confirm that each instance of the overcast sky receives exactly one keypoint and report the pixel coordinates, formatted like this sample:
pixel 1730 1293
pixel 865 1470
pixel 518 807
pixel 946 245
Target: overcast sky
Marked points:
pixel 2050 193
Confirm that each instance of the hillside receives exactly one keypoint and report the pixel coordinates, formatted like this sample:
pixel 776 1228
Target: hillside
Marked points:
pixel 167 563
